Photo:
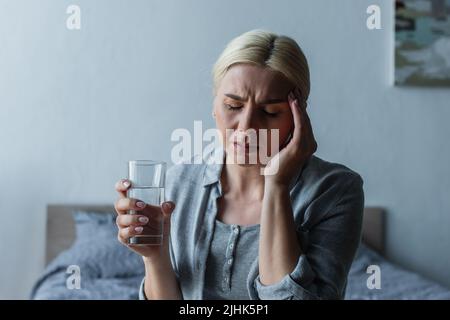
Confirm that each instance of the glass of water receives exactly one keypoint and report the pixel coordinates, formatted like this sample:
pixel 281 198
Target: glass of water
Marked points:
pixel 147 179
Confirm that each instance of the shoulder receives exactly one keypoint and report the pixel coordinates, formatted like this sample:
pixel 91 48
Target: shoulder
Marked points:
pixel 198 170
pixel 185 174
pixel 188 170
pixel 321 175
pixel 323 187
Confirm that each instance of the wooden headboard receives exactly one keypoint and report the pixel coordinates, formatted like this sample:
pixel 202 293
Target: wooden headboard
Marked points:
pixel 60 232
pixel 61 227
pixel 373 229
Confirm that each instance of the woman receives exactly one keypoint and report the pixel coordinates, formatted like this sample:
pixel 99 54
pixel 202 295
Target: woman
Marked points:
pixel 290 233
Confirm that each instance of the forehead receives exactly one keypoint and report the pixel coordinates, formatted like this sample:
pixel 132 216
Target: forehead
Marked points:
pixel 247 79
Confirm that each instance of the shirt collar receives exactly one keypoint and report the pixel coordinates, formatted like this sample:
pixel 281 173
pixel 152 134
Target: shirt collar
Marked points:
pixel 213 165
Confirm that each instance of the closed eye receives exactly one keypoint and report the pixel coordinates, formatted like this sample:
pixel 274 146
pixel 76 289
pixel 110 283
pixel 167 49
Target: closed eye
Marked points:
pixel 232 108
pixel 270 114
pixel 237 108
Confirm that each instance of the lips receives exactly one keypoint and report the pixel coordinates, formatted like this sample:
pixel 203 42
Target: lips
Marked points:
pixel 245 146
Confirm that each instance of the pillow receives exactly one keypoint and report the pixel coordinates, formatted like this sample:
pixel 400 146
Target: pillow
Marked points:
pixel 108 269
pixel 364 257
pixel 96 247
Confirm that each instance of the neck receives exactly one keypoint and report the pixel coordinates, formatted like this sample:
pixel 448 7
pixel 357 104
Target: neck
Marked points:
pixel 243 181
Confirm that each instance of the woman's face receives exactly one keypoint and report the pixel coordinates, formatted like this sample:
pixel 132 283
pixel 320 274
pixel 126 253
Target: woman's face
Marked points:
pixel 252 97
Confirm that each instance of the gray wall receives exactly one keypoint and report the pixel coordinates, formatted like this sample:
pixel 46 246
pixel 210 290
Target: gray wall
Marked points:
pixel 76 105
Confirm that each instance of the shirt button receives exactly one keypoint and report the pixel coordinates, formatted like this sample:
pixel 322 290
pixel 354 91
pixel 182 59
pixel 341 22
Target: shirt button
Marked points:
pixel 226 279
pixel 236 230
pixel 231 246
pixel 230 261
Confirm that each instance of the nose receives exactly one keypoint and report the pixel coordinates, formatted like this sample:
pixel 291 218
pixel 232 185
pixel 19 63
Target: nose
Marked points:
pixel 247 130
pixel 247 119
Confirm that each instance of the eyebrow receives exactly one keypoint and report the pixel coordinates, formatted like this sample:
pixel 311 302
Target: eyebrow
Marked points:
pixel 268 101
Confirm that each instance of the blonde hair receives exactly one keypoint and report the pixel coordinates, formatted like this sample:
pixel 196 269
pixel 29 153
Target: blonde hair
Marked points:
pixel 265 49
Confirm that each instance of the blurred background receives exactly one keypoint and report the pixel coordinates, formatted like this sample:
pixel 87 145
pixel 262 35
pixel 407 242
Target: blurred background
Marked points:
pixel 75 105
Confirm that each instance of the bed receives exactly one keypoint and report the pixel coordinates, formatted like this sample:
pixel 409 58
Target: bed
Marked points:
pixel 83 263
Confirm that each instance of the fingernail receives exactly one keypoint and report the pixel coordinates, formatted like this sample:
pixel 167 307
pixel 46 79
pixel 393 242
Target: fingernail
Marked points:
pixel 167 206
pixel 143 219
pixel 140 204
pixel 138 229
pixel 126 184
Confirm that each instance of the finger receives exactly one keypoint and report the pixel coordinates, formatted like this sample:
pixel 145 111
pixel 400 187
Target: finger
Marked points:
pixel 132 231
pixel 307 133
pixel 312 143
pixel 298 95
pixel 167 208
pixel 124 204
pixel 296 113
pixel 306 122
pixel 126 233
pixel 122 186
pixel 126 220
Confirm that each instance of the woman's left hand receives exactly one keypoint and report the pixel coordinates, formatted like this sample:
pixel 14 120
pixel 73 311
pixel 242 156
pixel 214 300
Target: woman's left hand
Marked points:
pixel 283 165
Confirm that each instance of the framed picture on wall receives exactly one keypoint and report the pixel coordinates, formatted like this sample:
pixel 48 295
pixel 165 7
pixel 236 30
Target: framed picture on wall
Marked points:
pixel 422 42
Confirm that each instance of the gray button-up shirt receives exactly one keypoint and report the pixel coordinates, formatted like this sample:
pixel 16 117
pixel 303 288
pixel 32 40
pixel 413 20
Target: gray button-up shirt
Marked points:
pixel 233 249
pixel 327 201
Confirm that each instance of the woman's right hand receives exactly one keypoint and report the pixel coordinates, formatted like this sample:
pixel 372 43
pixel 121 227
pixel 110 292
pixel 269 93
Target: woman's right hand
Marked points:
pixel 138 224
